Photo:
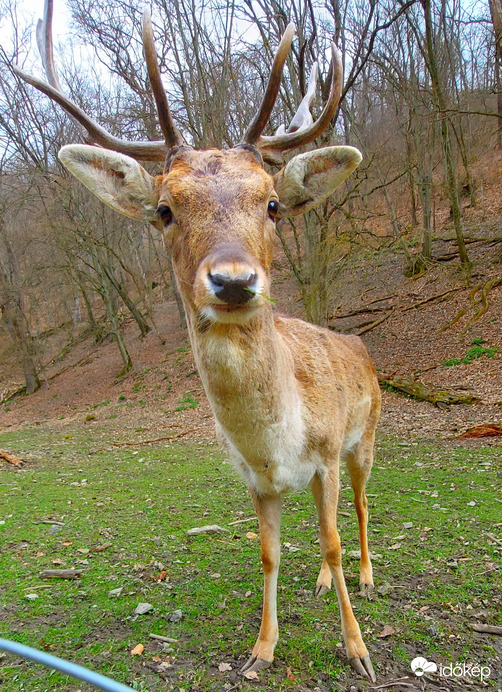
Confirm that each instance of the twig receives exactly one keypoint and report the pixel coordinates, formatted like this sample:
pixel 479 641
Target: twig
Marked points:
pixel 160 638
pixel 49 521
pixel 61 573
pixel 393 683
pixel 149 442
pixel 11 459
pixel 367 326
pixel 494 538
pixel 489 629
pixel 242 521
pixel 374 324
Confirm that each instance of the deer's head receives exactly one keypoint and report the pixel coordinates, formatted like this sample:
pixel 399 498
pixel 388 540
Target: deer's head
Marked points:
pixel 217 209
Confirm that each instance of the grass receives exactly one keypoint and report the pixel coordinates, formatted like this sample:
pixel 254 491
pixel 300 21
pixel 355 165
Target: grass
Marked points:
pixel 476 351
pixel 438 575
pixel 187 401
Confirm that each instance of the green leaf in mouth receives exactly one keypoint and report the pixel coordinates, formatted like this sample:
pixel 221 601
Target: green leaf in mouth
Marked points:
pixel 260 294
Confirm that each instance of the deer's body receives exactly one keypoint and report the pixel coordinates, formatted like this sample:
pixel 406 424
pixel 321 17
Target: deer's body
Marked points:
pixel 288 396
pixel 291 399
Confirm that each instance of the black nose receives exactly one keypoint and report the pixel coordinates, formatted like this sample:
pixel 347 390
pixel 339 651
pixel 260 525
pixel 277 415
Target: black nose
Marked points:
pixel 233 291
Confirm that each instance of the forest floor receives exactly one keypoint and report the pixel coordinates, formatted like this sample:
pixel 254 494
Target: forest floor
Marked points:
pixel 441 577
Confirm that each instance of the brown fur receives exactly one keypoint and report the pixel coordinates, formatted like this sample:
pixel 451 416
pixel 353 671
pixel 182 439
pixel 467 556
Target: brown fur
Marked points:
pixel 263 370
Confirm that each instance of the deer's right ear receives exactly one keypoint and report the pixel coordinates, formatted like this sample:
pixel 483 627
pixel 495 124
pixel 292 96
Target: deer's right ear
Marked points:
pixel 116 179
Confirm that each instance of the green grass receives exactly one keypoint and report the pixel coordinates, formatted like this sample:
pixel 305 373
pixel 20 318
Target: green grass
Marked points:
pixel 442 572
pixel 187 401
pixel 476 351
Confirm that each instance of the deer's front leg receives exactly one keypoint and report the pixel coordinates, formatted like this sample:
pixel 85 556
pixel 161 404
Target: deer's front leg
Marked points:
pixel 325 491
pixel 268 510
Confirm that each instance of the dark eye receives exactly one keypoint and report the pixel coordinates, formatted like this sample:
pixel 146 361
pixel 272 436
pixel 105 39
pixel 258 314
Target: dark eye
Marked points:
pixel 165 214
pixel 273 208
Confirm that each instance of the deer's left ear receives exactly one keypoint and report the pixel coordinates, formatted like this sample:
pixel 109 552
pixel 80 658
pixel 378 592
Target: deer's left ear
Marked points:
pixel 308 179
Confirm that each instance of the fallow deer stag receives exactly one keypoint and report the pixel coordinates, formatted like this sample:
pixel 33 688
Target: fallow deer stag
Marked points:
pixel 290 399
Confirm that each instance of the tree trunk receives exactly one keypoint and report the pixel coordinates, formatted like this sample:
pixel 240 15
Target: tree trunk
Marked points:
pixel 451 176
pixel 17 327
pixel 496 12
pixel 142 324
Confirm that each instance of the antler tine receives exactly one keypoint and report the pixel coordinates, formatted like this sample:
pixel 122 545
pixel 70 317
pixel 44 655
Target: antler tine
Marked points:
pixel 303 117
pixel 256 126
pixel 146 151
pixel 45 45
pixel 268 145
pixel 171 133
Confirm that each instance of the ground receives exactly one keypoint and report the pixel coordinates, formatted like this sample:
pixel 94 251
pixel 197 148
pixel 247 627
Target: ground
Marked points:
pixel 144 444
pixel 121 514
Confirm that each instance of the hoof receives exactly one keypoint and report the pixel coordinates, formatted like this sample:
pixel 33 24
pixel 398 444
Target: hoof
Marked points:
pixel 364 667
pixel 254 664
pixel 321 590
pixel 366 590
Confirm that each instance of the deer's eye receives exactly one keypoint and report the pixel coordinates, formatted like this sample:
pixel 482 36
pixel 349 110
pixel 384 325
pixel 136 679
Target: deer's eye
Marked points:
pixel 165 214
pixel 273 209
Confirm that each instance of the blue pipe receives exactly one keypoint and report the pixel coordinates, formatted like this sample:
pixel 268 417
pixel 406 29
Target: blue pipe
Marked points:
pixel 72 669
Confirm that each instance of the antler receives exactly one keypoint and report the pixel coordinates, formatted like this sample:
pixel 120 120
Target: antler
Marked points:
pixel 303 117
pixel 171 133
pixel 146 151
pixel 301 130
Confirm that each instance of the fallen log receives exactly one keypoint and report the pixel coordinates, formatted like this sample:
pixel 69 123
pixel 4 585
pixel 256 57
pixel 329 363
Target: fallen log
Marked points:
pixel 489 629
pixel 425 392
pixel 61 573
pixel 11 459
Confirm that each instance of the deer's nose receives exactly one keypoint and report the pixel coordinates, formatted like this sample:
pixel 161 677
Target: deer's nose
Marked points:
pixel 233 290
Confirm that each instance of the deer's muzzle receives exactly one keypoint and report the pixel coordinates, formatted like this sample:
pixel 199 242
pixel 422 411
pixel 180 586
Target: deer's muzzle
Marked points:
pixel 233 290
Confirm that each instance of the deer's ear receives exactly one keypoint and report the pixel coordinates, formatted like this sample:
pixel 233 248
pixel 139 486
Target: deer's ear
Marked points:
pixel 308 179
pixel 117 180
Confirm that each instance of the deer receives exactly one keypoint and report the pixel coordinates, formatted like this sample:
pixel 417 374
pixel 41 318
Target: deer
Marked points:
pixel 291 400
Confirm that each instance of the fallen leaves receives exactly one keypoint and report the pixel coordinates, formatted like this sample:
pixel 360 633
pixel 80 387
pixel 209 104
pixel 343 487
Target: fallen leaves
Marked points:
pixel 138 650
pixel 251 535
pixel 387 631
pixel 224 667
pixel 101 547
pixel 486 430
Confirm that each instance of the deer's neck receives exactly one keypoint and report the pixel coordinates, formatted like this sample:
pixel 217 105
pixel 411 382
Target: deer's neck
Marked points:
pixel 247 372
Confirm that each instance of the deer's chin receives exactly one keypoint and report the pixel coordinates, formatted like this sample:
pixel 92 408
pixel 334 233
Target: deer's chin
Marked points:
pixel 230 314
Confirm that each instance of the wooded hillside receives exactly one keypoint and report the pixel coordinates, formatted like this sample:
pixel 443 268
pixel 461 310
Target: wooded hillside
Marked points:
pixel 421 100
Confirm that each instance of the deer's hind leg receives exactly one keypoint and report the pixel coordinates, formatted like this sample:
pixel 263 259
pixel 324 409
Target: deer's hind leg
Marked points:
pixel 323 584
pixel 359 463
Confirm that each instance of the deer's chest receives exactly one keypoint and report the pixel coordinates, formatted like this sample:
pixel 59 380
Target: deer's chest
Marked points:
pixel 270 454
pixel 260 414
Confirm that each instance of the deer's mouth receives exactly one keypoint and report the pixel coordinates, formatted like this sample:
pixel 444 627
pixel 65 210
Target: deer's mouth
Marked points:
pixel 233 308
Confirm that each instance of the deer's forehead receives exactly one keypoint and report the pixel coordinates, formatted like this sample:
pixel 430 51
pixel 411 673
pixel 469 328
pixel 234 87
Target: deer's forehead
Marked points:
pixel 217 177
